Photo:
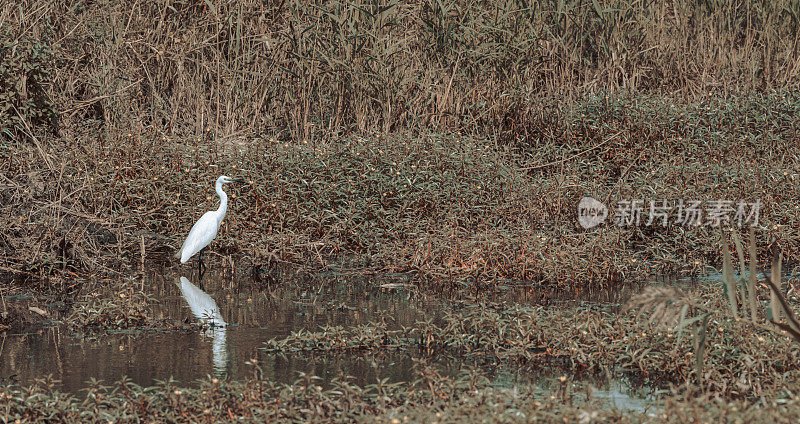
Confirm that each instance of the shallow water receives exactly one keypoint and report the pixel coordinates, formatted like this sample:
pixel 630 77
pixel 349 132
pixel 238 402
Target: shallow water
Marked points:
pixel 245 314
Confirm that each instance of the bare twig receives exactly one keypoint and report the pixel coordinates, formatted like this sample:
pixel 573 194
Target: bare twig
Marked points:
pixel 29 132
pixel 93 100
pixel 581 153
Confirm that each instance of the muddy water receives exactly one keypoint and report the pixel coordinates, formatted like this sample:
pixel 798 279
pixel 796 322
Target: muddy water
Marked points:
pixel 241 313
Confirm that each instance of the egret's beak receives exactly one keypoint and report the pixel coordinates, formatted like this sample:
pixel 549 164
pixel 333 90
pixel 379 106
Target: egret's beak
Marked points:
pixel 237 180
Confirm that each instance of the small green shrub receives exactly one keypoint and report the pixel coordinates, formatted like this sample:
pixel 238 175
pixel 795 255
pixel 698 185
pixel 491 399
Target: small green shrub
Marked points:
pixel 25 72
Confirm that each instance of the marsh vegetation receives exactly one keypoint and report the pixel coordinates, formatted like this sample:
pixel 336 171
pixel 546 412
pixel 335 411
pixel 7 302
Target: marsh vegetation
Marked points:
pixel 439 148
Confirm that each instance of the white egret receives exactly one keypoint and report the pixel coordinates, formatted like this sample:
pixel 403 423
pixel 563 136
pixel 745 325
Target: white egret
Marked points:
pixel 205 229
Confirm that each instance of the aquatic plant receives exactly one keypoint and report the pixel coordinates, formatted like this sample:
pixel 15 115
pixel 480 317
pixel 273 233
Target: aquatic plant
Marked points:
pixel 693 349
pixel 431 398
pixel 671 308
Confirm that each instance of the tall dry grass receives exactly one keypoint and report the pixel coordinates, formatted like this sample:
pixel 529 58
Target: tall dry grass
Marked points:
pixel 306 69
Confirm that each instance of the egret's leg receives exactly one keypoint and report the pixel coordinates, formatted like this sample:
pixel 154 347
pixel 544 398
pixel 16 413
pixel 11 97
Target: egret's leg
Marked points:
pixel 201 268
pixel 200 265
pixel 201 273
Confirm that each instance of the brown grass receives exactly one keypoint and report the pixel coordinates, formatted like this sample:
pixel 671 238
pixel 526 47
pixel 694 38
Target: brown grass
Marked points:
pixel 312 69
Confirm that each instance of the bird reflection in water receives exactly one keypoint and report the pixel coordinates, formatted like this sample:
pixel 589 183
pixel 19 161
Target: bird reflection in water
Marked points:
pixel 205 309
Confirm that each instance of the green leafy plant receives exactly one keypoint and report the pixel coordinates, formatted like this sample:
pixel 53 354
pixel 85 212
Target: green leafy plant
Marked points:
pixel 25 72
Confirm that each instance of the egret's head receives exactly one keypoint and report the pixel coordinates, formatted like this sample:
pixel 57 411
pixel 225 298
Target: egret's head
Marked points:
pixel 225 179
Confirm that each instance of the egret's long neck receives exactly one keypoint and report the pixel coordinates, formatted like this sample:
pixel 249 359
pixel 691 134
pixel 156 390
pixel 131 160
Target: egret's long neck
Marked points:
pixel 223 202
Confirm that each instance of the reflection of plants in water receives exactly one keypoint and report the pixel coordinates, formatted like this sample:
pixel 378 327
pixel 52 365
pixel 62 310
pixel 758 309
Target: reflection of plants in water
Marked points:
pixel 753 356
pixel 128 308
pixel 431 397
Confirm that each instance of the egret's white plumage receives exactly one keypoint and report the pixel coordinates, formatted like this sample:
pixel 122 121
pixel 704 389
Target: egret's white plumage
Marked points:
pixel 205 229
